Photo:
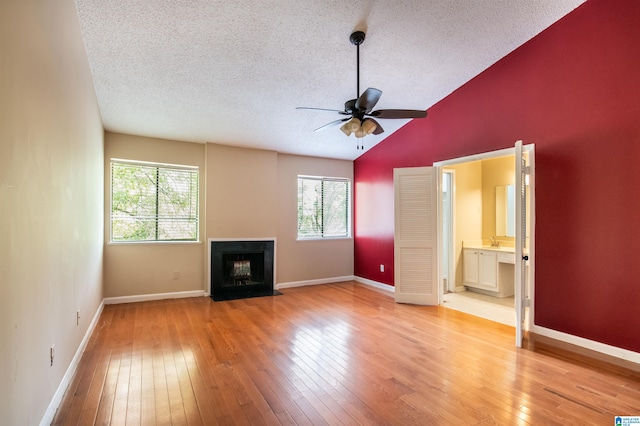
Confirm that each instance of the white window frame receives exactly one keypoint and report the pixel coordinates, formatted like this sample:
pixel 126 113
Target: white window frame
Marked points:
pixel 164 166
pixel 321 235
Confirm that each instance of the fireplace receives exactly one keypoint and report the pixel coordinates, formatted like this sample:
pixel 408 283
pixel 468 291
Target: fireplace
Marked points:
pixel 241 268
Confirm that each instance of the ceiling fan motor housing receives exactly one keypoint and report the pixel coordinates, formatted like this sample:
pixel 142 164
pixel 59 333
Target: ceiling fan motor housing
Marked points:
pixel 350 106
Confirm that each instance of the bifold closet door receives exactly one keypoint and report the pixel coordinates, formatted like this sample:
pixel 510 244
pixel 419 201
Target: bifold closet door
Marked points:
pixel 415 237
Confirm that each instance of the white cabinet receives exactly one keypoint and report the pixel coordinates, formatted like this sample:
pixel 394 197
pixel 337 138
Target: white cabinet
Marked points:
pixel 480 269
pixel 489 271
pixel 471 265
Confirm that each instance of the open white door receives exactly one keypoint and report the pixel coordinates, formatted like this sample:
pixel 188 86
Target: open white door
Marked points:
pixel 524 237
pixel 415 238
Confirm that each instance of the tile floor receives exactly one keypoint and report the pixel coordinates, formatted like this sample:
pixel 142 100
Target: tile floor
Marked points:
pixel 493 308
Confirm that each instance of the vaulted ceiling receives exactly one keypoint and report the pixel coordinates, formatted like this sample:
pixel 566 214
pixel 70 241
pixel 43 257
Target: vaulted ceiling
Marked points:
pixel 233 73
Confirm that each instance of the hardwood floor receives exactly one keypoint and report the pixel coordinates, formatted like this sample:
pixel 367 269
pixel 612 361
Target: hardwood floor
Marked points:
pixel 330 354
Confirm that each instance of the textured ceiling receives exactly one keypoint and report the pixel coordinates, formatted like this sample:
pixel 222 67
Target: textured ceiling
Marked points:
pixel 233 72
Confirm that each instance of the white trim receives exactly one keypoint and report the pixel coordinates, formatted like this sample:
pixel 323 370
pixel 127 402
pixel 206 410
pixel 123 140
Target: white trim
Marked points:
pixel 323 238
pixel 71 371
pixel 153 164
pixel 115 243
pixel 154 296
pixel 531 288
pixel 451 273
pixel 476 157
pixel 313 282
pixel 613 351
pixel 376 284
pixel 179 167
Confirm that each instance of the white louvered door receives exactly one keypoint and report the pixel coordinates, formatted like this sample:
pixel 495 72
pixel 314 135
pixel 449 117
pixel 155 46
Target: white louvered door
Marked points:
pixel 415 237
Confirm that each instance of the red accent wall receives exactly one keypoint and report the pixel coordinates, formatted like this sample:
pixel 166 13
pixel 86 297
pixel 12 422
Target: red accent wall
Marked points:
pixel 574 91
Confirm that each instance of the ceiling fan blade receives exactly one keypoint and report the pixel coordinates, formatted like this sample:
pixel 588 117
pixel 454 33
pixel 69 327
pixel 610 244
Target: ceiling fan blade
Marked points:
pixel 378 129
pixel 399 113
pixel 325 109
pixel 368 99
pixel 333 123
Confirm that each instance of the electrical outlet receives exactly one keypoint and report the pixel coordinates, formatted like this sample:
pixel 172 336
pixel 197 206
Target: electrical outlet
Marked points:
pixel 52 353
pixel 176 275
pixel 77 317
pixel 381 267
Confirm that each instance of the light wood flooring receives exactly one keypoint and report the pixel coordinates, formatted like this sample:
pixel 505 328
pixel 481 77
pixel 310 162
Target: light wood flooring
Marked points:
pixel 330 354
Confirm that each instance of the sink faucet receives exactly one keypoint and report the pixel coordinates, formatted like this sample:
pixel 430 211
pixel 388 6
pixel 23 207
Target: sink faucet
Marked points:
pixel 494 242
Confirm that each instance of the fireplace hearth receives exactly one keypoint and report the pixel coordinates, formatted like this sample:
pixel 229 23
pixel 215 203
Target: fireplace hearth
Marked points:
pixel 241 268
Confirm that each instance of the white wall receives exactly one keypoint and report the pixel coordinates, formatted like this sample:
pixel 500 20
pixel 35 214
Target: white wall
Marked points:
pixel 51 208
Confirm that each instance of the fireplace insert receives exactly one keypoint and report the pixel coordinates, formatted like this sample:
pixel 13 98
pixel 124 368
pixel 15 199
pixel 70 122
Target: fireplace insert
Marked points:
pixel 241 269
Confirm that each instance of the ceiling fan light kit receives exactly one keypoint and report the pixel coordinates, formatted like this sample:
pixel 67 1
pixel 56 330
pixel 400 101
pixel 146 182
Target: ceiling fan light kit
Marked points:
pixel 362 106
pixel 368 126
pixel 350 126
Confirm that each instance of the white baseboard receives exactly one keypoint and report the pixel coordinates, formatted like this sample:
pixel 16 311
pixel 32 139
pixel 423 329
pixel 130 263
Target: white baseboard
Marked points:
pixel 155 296
pixel 314 282
pixel 68 375
pixel 376 284
pixel 603 348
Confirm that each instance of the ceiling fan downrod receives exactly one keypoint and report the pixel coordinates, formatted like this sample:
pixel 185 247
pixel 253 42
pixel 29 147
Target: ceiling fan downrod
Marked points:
pixel 358 117
pixel 357 38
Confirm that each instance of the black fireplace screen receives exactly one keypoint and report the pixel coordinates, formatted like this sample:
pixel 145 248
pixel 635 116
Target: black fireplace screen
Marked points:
pixel 241 266
pixel 243 269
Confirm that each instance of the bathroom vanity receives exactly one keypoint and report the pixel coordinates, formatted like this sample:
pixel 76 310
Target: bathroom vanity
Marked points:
pixel 489 270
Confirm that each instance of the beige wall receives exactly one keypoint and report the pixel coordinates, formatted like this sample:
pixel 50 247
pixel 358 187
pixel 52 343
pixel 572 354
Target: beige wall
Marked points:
pixel 475 204
pixel 308 260
pixel 245 193
pixel 253 194
pixel 242 190
pixel 468 209
pixel 148 268
pixel 51 205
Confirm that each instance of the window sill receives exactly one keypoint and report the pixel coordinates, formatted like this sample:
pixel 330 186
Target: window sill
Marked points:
pixel 125 243
pixel 323 239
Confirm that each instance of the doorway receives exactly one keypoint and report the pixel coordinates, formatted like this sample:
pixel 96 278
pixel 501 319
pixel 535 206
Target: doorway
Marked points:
pixel 471 218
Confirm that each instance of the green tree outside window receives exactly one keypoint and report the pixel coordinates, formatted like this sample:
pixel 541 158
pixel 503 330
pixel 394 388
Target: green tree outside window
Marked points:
pixel 151 202
pixel 323 207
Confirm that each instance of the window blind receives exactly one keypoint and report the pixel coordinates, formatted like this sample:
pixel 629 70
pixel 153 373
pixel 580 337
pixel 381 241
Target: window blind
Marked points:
pixel 151 202
pixel 323 207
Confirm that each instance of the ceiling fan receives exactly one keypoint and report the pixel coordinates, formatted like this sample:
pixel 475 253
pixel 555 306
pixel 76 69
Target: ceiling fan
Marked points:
pixel 359 115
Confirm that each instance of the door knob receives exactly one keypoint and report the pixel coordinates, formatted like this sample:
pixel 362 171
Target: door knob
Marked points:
pixel 525 257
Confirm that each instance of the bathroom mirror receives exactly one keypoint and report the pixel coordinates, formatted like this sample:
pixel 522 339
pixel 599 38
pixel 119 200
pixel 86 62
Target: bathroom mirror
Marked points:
pixel 505 211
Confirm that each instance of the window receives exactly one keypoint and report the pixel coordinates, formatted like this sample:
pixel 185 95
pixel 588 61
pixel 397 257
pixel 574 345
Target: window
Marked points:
pixel 153 202
pixel 323 207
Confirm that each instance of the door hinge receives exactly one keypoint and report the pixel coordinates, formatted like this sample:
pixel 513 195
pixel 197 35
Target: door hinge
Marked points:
pixel 527 303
